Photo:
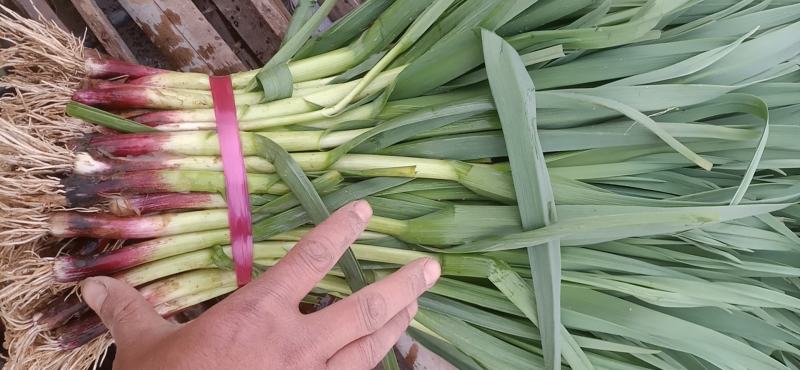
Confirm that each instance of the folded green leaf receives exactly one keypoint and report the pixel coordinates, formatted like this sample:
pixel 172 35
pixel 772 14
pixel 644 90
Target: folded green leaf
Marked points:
pixel 513 94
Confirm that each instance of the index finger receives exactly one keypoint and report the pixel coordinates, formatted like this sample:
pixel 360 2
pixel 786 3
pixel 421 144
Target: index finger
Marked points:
pixel 314 255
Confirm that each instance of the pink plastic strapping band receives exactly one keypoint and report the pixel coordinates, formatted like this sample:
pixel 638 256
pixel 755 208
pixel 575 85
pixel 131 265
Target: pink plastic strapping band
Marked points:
pixel 238 199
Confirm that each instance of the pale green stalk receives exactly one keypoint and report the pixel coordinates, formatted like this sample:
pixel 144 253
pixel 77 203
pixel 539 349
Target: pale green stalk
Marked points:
pixel 283 112
pixel 513 93
pixel 199 167
pixel 211 258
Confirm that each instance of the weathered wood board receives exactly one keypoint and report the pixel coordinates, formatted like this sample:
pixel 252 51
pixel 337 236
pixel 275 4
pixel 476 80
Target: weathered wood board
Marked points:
pixel 104 30
pixel 36 9
pixel 181 32
pixel 251 27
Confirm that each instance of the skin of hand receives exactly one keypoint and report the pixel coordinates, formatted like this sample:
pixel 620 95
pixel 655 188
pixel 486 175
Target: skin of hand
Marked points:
pixel 260 325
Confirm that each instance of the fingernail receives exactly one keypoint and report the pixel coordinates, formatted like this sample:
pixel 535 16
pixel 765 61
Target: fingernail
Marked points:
pixel 431 271
pixel 362 209
pixel 94 293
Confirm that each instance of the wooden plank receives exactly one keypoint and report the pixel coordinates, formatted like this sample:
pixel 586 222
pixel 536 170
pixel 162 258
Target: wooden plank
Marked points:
pixel 183 35
pixel 251 27
pixel 227 32
pixel 36 9
pixel 343 7
pixel 274 14
pixel 103 30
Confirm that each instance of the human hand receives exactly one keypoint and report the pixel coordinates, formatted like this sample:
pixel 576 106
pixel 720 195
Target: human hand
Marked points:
pixel 260 325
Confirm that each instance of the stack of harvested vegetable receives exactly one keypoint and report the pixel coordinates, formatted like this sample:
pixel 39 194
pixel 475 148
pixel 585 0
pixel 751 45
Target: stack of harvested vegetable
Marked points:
pixel 636 210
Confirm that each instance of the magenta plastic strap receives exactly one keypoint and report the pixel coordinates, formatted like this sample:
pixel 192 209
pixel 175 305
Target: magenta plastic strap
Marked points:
pixel 238 199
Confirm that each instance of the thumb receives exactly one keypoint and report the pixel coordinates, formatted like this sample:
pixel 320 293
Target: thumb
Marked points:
pixel 126 314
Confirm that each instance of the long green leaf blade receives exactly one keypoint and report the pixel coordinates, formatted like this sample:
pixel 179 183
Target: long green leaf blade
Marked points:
pixel 105 119
pixel 513 93
pixel 345 28
pixel 294 177
pixel 301 14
